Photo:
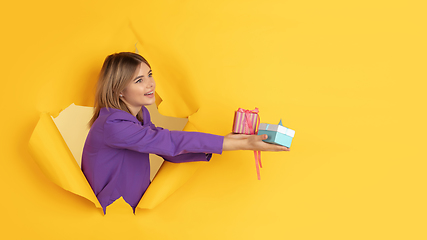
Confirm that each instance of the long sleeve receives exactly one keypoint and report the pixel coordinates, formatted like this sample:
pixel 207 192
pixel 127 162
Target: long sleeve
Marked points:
pixel 121 132
pixel 188 157
pixel 116 160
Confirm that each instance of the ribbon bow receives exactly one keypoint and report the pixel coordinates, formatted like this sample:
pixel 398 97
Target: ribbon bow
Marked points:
pixel 250 130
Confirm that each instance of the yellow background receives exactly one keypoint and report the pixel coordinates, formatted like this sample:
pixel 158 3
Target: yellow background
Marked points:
pixel 348 76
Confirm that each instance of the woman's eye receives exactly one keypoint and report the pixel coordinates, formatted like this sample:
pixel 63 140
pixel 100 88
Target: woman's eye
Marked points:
pixel 140 80
pixel 150 75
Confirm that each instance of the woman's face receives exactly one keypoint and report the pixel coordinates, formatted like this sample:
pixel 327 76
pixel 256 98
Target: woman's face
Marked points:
pixel 140 90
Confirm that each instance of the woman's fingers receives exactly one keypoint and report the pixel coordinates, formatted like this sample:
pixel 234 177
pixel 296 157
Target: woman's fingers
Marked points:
pixel 234 141
pixel 275 148
pixel 263 136
pixel 260 145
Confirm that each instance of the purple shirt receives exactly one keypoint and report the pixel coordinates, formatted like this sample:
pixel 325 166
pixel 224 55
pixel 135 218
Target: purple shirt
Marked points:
pixel 115 157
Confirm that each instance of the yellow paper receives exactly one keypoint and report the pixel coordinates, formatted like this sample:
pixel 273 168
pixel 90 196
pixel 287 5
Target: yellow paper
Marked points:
pixel 348 76
pixel 69 130
pixel 51 153
pixel 73 124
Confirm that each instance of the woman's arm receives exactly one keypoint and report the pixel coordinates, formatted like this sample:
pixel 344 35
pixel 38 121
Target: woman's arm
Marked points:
pixel 126 134
pixel 249 142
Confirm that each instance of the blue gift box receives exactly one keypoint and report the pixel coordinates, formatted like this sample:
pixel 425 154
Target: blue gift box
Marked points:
pixel 277 134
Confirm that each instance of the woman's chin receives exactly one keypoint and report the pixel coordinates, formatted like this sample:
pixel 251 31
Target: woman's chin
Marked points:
pixel 150 102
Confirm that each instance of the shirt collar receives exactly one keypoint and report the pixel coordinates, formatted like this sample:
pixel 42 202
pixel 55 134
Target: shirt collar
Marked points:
pixel 124 115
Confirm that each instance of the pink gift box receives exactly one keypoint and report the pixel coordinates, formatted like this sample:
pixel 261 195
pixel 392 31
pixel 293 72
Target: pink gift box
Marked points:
pixel 244 120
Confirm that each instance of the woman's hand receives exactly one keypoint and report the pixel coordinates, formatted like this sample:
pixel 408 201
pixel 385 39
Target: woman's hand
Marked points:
pixel 249 142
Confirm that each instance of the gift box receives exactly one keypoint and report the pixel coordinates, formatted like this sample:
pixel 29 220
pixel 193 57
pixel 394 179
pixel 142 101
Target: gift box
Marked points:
pixel 277 134
pixel 246 121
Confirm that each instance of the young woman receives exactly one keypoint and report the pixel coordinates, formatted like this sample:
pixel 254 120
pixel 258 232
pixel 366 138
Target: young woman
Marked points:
pixel 115 157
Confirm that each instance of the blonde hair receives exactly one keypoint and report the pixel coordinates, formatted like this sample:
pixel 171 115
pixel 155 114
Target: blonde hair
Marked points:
pixel 116 72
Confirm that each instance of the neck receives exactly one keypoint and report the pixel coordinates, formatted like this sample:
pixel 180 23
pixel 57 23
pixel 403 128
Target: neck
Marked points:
pixel 134 110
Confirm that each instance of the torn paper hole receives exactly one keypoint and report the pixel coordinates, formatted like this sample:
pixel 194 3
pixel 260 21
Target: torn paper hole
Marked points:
pixel 55 158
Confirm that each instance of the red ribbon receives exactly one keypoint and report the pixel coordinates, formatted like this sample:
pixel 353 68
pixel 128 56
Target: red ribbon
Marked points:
pixel 250 130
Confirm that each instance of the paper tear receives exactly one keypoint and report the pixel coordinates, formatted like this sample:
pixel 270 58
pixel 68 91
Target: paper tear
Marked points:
pixel 73 124
pixel 55 159
pixel 136 48
pixel 57 145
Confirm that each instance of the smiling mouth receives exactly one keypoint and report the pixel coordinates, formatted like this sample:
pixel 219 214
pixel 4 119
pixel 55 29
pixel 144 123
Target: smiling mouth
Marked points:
pixel 149 93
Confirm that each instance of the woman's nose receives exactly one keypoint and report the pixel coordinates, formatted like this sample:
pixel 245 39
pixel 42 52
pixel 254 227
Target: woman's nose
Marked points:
pixel 151 84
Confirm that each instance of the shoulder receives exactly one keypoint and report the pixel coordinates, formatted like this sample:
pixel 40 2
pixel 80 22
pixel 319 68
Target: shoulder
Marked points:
pixel 115 121
pixel 114 115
